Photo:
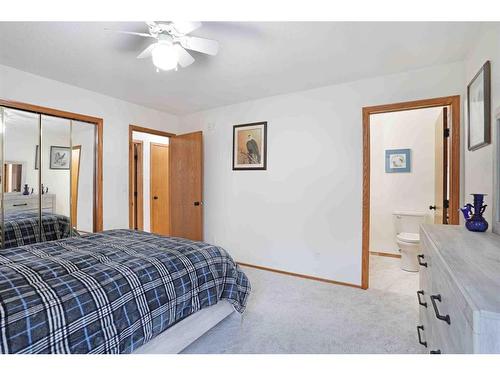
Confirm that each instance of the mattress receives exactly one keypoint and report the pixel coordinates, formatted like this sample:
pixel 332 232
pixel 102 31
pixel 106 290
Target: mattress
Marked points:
pixel 109 292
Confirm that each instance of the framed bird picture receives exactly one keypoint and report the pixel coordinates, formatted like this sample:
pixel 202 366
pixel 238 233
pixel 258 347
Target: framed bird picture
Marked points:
pixel 59 157
pixel 250 146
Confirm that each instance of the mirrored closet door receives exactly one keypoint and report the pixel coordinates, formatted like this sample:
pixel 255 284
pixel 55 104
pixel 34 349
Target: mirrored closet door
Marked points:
pixel 20 178
pixel 55 175
pixel 83 154
pixel 48 179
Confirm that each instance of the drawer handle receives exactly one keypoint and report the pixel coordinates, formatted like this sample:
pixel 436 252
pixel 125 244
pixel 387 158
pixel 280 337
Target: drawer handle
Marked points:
pixel 421 293
pixel 20 204
pixel 421 257
pixel 446 317
pixel 435 351
pixel 424 343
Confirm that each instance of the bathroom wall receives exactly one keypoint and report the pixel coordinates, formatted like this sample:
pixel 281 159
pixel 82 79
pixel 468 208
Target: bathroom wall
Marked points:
pixel 413 191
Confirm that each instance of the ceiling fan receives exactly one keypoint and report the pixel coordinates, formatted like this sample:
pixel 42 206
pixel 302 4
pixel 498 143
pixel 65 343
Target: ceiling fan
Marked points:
pixel 172 41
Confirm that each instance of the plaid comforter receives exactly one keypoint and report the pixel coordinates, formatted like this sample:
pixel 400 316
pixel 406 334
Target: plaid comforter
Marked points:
pixel 22 228
pixel 108 292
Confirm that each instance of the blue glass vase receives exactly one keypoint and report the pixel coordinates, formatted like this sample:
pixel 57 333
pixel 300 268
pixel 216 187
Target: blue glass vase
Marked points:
pixel 473 214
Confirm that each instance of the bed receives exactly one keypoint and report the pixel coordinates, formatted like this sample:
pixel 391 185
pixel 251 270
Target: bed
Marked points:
pixel 21 228
pixel 111 292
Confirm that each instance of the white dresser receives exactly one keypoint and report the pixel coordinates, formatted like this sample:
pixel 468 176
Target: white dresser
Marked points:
pixel 16 202
pixel 459 293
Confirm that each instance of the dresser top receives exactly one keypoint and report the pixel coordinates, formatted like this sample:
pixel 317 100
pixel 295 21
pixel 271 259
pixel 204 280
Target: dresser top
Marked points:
pixel 473 260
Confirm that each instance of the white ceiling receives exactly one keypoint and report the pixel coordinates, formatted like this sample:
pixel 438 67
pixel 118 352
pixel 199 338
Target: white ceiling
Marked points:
pixel 255 59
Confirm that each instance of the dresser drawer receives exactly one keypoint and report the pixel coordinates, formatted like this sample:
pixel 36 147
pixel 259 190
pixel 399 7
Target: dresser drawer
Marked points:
pixel 425 331
pixel 21 205
pixel 447 302
pixel 442 297
pixel 460 284
pixel 425 262
pixel 29 203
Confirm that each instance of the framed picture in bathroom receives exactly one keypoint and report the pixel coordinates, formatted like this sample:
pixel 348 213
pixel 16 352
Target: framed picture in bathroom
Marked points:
pixel 398 161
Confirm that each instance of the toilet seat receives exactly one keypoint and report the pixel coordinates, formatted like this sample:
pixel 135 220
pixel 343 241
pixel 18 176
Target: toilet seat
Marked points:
pixel 408 237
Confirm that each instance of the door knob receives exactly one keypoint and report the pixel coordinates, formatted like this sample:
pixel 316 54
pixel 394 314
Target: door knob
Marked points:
pixel 197 203
pixel 432 207
pixel 155 197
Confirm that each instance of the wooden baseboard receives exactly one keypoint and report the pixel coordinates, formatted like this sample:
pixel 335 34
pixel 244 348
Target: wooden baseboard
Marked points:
pixel 382 254
pixel 299 275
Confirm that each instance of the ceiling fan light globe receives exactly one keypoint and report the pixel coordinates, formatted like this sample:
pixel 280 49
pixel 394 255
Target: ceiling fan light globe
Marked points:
pixel 164 57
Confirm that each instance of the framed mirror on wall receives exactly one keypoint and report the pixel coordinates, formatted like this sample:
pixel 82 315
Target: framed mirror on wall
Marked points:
pixel 51 180
pixel 15 176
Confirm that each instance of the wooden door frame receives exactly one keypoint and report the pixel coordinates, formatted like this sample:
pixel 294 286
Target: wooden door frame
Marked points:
pixel 151 144
pixel 98 123
pixel 139 188
pixel 135 128
pixel 454 162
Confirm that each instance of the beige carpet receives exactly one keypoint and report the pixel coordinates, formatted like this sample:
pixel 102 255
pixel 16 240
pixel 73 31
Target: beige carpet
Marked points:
pixel 286 314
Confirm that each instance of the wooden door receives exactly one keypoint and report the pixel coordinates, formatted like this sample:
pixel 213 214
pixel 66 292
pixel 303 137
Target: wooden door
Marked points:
pixel 159 188
pixel 137 186
pixel 75 177
pixel 440 205
pixel 186 185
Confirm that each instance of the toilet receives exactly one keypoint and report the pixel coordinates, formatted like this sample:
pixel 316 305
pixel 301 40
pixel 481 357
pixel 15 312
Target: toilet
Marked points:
pixel 407 225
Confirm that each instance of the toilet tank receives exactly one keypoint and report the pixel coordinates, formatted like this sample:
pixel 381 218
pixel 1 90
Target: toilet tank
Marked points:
pixel 408 221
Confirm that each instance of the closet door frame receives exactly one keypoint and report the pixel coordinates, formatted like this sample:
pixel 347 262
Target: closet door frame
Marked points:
pixel 98 123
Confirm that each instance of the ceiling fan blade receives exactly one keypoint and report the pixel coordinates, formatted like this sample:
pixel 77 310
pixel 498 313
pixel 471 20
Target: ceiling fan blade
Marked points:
pixel 147 52
pixel 210 47
pixel 185 27
pixel 131 33
pixel 185 58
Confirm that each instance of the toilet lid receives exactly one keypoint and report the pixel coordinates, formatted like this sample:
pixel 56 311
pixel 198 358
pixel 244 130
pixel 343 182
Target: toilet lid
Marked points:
pixel 408 237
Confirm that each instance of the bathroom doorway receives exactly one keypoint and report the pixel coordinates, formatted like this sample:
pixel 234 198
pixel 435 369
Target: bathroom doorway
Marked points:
pixel 411 174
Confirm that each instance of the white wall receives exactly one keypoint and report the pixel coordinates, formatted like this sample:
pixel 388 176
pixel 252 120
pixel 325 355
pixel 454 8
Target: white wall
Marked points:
pixel 413 191
pixel 304 213
pixel 117 114
pixel 479 163
pixel 146 143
